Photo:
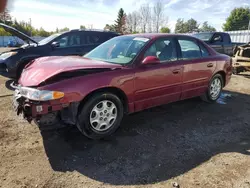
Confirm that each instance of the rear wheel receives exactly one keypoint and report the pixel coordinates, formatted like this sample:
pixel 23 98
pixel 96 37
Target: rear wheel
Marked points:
pixel 214 89
pixel 100 116
pixel 235 71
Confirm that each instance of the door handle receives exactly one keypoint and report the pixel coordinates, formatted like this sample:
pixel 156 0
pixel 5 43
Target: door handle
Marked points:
pixel 176 71
pixel 210 65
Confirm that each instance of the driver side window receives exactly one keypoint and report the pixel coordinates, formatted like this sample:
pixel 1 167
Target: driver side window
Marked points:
pixel 217 39
pixel 69 40
pixel 164 49
pixel 62 41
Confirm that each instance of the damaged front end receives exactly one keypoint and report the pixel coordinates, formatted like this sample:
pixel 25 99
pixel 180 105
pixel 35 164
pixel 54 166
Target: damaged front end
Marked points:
pixel 241 59
pixel 47 111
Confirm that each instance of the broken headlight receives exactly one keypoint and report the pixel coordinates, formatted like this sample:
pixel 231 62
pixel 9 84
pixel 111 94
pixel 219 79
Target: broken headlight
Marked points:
pixel 40 95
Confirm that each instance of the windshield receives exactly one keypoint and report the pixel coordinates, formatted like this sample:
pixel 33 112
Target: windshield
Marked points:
pixel 203 36
pixel 48 39
pixel 119 50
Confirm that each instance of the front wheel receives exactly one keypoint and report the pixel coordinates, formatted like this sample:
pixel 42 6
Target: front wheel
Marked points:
pixel 100 116
pixel 214 89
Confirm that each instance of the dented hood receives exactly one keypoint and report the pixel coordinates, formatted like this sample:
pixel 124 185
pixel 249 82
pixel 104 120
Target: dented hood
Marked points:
pixel 44 68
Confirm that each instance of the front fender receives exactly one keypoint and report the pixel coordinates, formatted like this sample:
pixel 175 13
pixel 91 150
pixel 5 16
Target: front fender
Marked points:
pixel 77 88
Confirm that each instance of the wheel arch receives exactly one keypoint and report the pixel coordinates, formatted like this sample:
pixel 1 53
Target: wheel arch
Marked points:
pixel 223 74
pixel 24 61
pixel 114 90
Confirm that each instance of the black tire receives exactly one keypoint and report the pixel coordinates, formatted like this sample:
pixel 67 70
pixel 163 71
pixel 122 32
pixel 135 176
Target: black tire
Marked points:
pixel 207 97
pixel 83 119
pixel 235 71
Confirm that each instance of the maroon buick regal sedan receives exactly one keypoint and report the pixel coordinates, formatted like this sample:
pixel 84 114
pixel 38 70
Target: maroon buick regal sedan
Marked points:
pixel 123 75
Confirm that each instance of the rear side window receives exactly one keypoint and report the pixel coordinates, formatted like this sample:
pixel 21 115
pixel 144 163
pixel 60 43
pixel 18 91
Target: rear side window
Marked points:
pixel 92 39
pixel 105 36
pixel 204 51
pixel 189 49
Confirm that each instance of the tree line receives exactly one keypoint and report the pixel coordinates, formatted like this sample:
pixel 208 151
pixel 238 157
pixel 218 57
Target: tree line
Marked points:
pixel 26 27
pixel 146 19
pixel 153 19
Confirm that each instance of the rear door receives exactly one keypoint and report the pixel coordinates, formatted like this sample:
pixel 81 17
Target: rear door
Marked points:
pixel 92 40
pixel 198 67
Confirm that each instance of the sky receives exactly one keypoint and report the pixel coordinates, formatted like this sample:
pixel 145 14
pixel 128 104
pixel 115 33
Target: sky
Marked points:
pixel 52 14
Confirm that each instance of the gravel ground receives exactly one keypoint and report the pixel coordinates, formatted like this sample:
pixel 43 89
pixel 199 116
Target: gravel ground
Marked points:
pixel 192 143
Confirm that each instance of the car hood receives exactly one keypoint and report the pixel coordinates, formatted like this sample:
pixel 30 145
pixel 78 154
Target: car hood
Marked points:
pixel 17 33
pixel 43 68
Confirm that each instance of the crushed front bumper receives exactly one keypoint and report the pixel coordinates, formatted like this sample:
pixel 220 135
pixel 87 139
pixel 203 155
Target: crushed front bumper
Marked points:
pixel 34 109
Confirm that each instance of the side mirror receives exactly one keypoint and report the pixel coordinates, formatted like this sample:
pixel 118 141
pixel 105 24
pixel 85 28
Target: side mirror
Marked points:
pixel 55 44
pixel 216 39
pixel 151 60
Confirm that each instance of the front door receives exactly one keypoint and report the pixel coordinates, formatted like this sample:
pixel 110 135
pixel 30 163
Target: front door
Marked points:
pixel 161 83
pixel 198 67
pixel 217 43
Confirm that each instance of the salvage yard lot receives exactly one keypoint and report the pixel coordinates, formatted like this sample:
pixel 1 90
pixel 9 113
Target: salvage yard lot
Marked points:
pixel 190 142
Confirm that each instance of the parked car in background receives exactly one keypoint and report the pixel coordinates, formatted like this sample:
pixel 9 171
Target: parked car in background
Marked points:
pixel 74 42
pixel 123 75
pixel 13 43
pixel 241 59
pixel 219 41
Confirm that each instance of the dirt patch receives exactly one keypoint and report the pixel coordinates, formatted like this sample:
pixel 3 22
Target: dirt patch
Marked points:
pixel 190 142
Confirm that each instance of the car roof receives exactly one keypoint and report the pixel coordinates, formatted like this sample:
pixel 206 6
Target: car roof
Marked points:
pixel 158 35
pixel 212 32
pixel 90 30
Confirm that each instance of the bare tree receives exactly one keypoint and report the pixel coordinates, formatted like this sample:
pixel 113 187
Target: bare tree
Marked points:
pixel 158 10
pixel 150 21
pixel 129 23
pixel 145 16
pixel 135 20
